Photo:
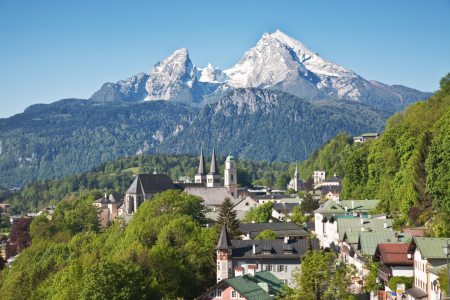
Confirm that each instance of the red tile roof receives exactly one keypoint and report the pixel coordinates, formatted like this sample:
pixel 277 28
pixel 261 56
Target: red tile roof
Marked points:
pixel 416 231
pixel 239 268
pixel 394 254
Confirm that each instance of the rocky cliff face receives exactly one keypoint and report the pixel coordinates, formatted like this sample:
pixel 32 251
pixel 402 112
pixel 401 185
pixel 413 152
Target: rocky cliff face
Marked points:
pixel 277 62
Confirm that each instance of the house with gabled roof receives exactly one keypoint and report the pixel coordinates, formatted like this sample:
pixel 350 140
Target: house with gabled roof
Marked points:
pixel 261 285
pixel 394 261
pixel 428 254
pixel 328 216
pixel 280 256
pixel 281 229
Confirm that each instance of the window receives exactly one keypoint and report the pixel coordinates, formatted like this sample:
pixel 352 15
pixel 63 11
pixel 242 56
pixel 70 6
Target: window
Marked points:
pixel 266 252
pixel 241 296
pixel 219 293
pixel 269 268
pixel 218 279
pixel 213 294
pixel 281 268
pixel 218 252
pixel 285 281
pixel 233 294
pixel 232 177
pixel 210 180
pixel 218 265
pixel 246 203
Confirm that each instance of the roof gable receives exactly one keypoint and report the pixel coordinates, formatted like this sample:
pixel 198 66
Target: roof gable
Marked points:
pixel 368 241
pixel 428 247
pixel 354 224
pixel 150 184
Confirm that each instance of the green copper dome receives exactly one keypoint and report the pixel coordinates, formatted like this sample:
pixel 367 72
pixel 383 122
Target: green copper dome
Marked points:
pixel 230 158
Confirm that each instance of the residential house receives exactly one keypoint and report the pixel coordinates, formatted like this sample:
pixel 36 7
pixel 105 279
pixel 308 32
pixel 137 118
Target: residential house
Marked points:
pixel 368 242
pixel 394 260
pixel 350 208
pixel 318 176
pixel 261 285
pixel 280 257
pixel 245 204
pixel 427 254
pixel 369 136
pixel 282 210
pixel 281 229
pixel 109 207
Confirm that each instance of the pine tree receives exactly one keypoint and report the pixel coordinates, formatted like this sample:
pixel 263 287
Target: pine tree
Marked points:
pixel 228 215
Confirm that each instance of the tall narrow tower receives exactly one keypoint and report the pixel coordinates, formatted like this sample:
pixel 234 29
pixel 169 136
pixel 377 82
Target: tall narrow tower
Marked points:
pixel 214 179
pixel 200 177
pixel 224 255
pixel 230 176
pixel 296 179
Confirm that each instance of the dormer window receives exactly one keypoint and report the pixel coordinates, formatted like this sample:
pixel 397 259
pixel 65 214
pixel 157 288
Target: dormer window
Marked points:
pixel 229 251
pixel 266 251
pixel 287 251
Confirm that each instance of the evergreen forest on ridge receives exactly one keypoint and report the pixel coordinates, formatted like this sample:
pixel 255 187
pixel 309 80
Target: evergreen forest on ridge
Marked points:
pixel 72 136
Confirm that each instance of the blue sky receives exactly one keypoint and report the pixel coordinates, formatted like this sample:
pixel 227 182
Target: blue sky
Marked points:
pixel 51 50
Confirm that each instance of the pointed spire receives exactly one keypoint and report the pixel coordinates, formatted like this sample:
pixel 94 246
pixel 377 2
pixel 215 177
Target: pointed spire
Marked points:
pixel 201 166
pixel 296 169
pixel 213 170
pixel 224 240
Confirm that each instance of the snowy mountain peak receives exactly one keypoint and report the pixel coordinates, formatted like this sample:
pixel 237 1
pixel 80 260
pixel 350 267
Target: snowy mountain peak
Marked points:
pixel 277 62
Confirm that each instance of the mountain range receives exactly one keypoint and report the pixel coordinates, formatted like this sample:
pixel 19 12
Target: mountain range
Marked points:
pixel 277 62
pixel 71 136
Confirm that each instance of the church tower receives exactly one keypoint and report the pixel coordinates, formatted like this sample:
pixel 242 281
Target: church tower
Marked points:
pixel 230 176
pixel 200 177
pixel 224 255
pixel 296 181
pixel 214 179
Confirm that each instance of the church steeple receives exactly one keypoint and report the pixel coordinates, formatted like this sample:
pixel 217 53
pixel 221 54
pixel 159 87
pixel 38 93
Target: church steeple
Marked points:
pixel 201 166
pixel 213 170
pixel 224 240
pixel 214 178
pixel 200 177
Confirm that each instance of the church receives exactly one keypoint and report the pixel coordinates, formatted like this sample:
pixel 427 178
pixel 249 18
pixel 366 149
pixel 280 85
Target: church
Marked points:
pixel 209 186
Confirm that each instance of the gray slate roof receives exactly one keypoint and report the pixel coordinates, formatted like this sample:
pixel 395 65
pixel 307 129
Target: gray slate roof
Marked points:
pixel 150 184
pixel 281 229
pixel 285 206
pixel 212 196
pixel 116 197
pixel 244 248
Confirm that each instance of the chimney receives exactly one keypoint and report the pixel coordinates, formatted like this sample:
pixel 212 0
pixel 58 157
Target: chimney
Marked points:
pixel 286 239
pixel 385 224
pixel 409 256
pixel 254 249
pixel 353 204
pixel 362 228
pixel 346 208
pixel 251 270
pixel 361 218
pixel 106 196
pixel 248 235
pixel 238 271
pixel 396 235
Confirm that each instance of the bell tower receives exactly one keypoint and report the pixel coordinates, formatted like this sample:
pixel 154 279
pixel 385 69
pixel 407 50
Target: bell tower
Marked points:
pixel 200 177
pixel 224 255
pixel 214 179
pixel 230 176
pixel 296 181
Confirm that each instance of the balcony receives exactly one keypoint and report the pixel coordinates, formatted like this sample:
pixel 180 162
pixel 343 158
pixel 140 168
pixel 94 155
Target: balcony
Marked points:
pixel 383 275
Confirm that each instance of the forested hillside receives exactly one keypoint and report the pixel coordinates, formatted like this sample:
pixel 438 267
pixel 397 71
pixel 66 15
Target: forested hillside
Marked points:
pixel 72 136
pixel 164 252
pixel 408 167
pixel 270 125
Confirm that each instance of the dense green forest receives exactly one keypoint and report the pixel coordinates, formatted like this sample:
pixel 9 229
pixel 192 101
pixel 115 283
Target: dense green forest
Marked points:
pixel 164 252
pixel 118 175
pixel 408 167
pixel 72 136
pixel 275 126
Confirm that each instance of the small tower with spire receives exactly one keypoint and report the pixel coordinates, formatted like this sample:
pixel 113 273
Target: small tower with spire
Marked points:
pixel 296 181
pixel 200 177
pixel 224 255
pixel 230 175
pixel 214 179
